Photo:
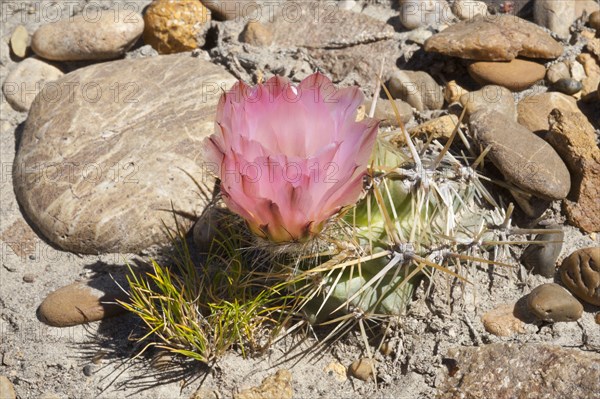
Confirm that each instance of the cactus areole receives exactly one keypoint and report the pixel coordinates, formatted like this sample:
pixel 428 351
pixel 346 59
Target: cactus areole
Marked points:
pixel 290 157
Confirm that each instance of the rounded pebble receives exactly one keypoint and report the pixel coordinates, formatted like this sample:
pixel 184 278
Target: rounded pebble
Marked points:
pixel 502 322
pixel 362 369
pixel 594 20
pixel 80 303
pixel 525 160
pixel 80 38
pixel 580 272
pixel 515 75
pixel 557 71
pixel 29 278
pixel 175 26
pixel 26 81
pixel 417 88
pixel 551 302
pixel 541 258
pixel 18 41
pixel 88 370
pixel 453 91
pixel 567 85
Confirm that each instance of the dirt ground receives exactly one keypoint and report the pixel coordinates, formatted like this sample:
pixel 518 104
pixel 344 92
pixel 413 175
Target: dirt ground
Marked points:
pixel 96 360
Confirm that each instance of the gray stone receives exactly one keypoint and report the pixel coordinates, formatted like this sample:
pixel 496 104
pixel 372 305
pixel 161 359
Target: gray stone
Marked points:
pixel 541 258
pixel 494 38
pixel 105 158
pixel 552 303
pixel 525 370
pixel 26 81
pixel 523 158
pixel 81 38
pixel 580 272
pixel 567 86
pixel 82 302
pixel 417 88
pixel 385 113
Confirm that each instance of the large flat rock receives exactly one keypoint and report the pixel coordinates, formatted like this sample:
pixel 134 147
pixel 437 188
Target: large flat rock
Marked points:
pixel 509 370
pixel 494 38
pixel 106 151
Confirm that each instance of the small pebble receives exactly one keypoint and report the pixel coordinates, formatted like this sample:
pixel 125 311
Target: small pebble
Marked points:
pixel 175 26
pixel 417 88
pixel 387 348
pixel 362 369
pixel 557 71
pixel 580 272
pixel 567 85
pixel 88 370
pixel 453 91
pixel 541 258
pixel 438 128
pixel 18 41
pixel 257 34
pixel 27 80
pixel 79 38
pixel 551 302
pixel 277 386
pixel 515 75
pixel 502 322
pixel 594 20
pixel 81 302
pixel 29 277
pixel 336 370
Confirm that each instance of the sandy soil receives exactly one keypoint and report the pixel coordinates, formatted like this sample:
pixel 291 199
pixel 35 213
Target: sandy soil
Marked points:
pixel 49 362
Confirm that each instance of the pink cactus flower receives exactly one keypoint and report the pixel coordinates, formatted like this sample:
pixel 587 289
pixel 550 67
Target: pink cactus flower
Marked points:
pixel 290 157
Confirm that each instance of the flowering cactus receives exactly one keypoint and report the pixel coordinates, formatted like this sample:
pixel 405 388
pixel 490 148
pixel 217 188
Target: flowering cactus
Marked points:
pixel 290 157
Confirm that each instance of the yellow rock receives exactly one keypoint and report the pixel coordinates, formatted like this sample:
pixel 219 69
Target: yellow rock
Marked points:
pixel 363 369
pixel 275 386
pixel 18 41
pixel 337 370
pixel 453 91
pixel 173 26
pixel 439 128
